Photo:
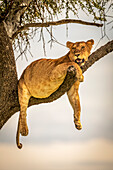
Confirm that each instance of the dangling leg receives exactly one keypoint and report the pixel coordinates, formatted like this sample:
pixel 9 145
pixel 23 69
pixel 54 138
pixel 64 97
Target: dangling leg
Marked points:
pixel 75 102
pixel 24 97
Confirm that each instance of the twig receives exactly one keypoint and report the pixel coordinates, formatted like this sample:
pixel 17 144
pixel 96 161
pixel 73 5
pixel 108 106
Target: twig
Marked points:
pixel 54 39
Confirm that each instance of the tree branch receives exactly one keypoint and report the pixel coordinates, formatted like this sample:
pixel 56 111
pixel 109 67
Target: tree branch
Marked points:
pixel 66 85
pixel 55 23
pixel 98 54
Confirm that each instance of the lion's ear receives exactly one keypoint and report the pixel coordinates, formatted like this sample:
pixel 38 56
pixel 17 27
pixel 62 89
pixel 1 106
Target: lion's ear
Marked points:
pixel 90 42
pixel 69 44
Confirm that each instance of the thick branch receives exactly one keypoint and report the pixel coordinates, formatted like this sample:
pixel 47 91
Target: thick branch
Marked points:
pixel 98 54
pixel 55 23
pixel 68 82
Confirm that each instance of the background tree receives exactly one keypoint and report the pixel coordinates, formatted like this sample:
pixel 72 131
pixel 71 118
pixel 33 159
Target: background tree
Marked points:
pixel 20 21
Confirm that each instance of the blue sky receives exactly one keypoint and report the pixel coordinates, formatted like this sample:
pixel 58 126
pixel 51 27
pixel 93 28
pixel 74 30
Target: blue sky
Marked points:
pixel 53 142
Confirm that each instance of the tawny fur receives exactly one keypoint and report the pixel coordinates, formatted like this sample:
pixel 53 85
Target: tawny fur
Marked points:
pixel 44 76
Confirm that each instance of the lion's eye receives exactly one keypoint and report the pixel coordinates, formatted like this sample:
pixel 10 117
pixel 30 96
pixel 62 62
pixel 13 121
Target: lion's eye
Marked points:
pixel 73 49
pixel 82 47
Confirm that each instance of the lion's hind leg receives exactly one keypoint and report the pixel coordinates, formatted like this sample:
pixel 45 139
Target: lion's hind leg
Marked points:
pixel 24 97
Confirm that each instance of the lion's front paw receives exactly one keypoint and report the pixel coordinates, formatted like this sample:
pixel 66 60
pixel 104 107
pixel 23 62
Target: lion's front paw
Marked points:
pixel 71 69
pixel 78 125
pixel 24 130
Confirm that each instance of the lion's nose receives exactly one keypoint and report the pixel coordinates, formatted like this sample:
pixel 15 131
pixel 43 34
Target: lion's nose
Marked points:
pixel 77 55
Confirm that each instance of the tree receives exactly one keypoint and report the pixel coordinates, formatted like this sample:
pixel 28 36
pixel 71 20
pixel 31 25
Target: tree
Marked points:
pixel 16 19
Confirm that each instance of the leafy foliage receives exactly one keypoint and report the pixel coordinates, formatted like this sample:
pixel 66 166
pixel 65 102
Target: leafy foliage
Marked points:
pixel 50 10
pixel 46 10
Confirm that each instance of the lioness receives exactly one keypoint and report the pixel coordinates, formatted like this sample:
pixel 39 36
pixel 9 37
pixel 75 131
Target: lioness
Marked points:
pixel 44 76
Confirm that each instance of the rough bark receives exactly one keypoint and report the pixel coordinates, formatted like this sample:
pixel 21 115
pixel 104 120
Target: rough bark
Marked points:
pixel 8 78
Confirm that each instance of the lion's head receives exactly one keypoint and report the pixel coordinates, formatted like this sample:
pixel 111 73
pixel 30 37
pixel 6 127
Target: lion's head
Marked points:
pixel 80 51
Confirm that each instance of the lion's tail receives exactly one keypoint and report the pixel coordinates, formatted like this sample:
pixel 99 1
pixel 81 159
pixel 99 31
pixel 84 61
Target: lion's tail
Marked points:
pixel 19 145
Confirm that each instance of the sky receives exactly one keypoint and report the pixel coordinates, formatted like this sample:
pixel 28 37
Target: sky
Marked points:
pixel 53 142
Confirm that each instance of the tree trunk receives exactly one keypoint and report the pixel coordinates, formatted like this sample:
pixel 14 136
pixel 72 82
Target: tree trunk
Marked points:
pixel 8 77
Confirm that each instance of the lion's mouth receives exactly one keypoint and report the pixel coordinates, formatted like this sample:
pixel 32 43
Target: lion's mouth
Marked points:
pixel 80 61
